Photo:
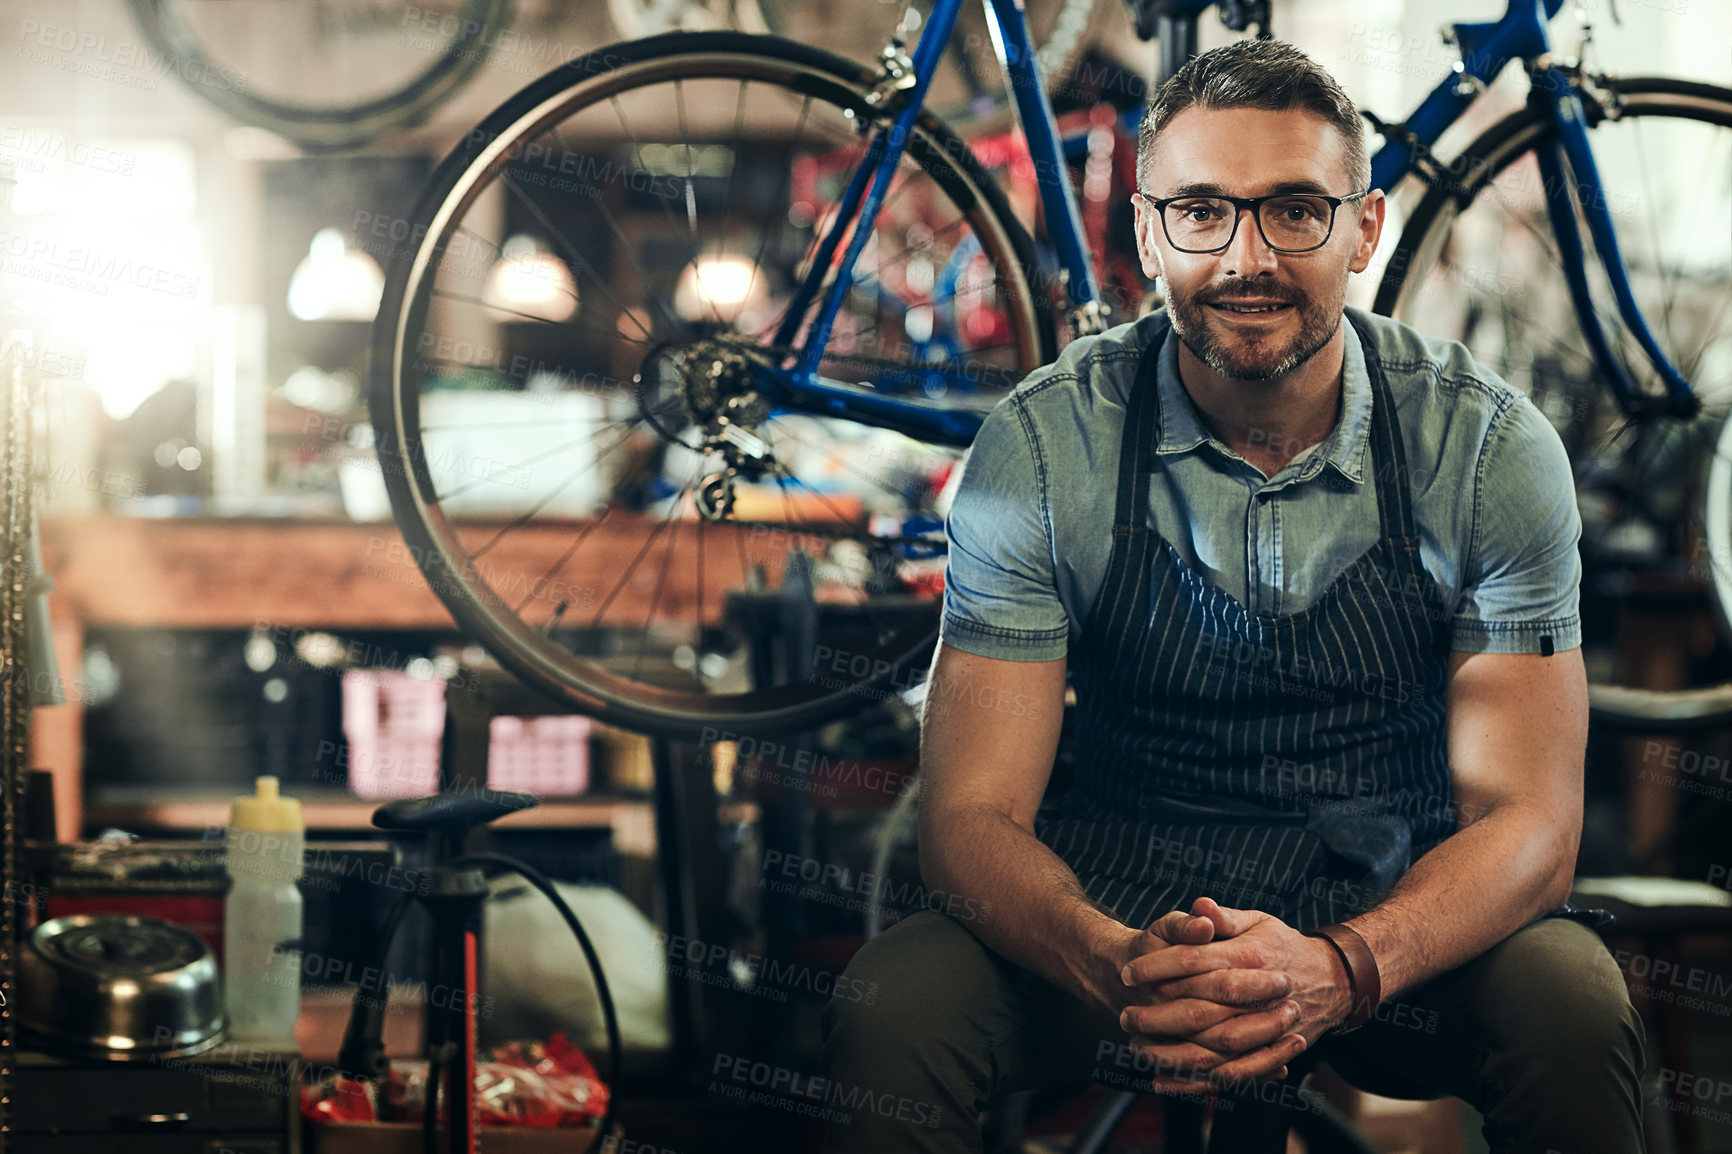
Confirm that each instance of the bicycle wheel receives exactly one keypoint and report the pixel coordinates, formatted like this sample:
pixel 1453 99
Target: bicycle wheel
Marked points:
pixel 587 284
pixel 376 69
pixel 1478 263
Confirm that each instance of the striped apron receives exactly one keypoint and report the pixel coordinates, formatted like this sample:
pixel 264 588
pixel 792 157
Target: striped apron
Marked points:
pixel 1292 764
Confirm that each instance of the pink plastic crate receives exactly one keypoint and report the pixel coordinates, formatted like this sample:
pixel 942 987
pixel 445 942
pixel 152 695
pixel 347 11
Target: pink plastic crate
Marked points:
pixel 393 723
pixel 546 756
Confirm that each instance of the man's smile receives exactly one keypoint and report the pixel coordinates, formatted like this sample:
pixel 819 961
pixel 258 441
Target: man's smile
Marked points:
pixel 1251 309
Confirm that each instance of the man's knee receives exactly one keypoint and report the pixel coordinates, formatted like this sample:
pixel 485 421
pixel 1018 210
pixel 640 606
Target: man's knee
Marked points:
pixel 924 983
pixel 1564 1002
pixel 1563 1046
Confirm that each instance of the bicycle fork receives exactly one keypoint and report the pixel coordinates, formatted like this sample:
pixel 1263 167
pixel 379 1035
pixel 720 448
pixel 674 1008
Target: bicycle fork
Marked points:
pixel 1573 155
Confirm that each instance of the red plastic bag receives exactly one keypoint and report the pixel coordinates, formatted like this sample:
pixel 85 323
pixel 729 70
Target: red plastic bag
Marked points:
pixel 540 1084
pixel 338 1099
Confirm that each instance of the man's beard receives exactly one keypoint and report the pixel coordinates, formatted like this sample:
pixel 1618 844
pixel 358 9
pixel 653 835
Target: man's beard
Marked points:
pixel 1254 357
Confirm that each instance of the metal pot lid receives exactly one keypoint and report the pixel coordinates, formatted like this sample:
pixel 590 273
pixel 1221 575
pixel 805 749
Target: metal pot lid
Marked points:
pixel 108 944
pixel 120 987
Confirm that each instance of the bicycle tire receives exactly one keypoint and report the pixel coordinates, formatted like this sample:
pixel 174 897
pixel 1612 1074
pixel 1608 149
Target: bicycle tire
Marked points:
pixel 331 127
pixel 1418 253
pixel 788 71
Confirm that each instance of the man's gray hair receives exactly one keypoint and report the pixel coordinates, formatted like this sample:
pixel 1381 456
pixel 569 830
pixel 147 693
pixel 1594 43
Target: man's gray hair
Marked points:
pixel 1267 74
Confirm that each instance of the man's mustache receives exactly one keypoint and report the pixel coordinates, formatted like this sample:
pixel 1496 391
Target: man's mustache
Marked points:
pixel 1227 296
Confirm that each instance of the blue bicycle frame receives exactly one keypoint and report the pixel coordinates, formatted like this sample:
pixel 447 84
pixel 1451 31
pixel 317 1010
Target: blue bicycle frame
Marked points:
pixel 1485 49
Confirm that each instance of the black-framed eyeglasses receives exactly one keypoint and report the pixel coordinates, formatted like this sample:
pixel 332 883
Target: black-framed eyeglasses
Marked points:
pixel 1289 221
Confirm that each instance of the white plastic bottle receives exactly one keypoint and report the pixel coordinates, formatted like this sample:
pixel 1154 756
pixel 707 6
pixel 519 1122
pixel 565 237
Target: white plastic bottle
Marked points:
pixel 262 917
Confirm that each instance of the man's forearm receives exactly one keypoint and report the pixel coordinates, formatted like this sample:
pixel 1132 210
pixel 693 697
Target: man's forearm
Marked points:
pixel 1477 888
pixel 1040 917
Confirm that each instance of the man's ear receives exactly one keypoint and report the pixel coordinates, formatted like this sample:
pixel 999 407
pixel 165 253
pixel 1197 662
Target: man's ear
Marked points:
pixel 1371 213
pixel 1148 252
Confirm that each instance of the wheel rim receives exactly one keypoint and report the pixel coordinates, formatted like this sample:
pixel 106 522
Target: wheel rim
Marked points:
pixel 637 694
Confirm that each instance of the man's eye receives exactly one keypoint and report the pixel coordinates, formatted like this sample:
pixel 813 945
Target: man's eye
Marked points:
pixel 1197 213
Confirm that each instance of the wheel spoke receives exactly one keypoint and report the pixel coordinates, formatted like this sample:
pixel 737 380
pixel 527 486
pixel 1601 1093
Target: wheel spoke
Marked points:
pixel 523 518
pixel 571 250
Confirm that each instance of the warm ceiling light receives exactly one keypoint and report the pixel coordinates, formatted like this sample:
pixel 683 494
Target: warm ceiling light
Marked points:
pixel 718 286
pixel 334 282
pixel 527 280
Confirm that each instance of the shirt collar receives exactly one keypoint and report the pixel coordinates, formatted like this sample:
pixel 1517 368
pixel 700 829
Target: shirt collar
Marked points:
pixel 1345 448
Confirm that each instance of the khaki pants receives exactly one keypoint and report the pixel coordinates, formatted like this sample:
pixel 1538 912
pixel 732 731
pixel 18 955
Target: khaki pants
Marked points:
pixel 1537 1033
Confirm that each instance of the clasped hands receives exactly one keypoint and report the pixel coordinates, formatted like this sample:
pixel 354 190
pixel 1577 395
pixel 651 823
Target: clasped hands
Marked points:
pixel 1219 996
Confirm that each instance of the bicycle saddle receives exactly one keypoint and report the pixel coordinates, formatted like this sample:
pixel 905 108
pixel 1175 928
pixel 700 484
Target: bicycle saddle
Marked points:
pixel 451 814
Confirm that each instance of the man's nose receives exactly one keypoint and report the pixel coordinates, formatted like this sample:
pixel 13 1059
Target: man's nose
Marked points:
pixel 1247 254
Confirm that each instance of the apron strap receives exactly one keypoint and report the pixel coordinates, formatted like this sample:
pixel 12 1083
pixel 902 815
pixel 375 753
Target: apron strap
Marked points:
pixel 1388 456
pixel 1137 450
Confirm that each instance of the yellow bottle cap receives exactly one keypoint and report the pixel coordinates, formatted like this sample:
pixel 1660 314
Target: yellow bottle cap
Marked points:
pixel 265 811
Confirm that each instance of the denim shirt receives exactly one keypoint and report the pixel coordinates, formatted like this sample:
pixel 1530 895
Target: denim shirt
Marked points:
pixel 1030 523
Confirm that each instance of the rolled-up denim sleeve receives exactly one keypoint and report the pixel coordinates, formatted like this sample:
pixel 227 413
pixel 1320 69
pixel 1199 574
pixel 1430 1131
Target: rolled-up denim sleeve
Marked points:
pixel 1000 597
pixel 1523 579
